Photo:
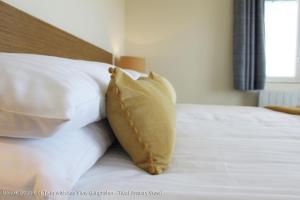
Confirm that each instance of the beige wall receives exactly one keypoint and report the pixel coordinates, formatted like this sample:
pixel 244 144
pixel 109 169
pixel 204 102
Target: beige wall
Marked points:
pixel 190 42
pixel 100 22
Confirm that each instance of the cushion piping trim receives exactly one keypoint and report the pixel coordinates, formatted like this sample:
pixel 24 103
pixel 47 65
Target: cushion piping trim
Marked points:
pixel 137 134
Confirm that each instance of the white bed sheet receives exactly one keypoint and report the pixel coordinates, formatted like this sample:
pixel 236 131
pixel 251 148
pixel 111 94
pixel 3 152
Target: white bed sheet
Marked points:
pixel 222 153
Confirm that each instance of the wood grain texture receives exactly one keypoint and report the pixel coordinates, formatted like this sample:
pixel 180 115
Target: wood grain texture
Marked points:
pixel 23 33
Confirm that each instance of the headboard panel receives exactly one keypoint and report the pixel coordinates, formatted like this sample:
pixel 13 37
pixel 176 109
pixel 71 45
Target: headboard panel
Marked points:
pixel 23 33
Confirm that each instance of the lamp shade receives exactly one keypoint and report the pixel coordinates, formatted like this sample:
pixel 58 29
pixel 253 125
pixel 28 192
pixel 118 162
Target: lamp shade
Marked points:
pixel 133 63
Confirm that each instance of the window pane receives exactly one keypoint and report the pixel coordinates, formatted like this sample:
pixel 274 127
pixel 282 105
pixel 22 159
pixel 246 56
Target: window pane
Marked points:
pixel 281 38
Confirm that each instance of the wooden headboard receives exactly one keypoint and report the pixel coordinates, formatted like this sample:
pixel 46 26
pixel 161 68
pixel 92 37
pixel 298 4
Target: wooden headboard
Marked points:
pixel 23 33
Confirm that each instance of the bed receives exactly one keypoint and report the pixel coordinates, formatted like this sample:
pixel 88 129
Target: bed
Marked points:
pixel 222 152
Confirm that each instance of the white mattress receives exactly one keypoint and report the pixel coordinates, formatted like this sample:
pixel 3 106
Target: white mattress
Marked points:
pixel 222 153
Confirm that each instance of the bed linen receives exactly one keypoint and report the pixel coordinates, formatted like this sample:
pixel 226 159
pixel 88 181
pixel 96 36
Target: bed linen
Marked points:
pixel 42 169
pixel 221 153
pixel 45 95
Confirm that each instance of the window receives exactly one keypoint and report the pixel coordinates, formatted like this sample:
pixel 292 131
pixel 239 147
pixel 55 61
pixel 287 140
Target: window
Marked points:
pixel 282 40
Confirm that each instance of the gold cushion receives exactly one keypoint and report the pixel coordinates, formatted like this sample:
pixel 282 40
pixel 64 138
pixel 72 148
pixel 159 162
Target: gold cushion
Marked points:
pixel 166 84
pixel 142 115
pixel 289 110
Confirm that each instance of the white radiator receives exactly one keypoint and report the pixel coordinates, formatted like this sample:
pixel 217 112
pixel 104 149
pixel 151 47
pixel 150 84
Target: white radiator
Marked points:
pixel 280 98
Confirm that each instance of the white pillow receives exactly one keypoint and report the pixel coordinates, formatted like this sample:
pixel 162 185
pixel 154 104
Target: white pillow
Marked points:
pixel 44 95
pixel 51 164
pixel 134 74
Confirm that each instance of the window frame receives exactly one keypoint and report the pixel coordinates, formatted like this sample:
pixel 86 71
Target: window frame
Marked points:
pixel 295 79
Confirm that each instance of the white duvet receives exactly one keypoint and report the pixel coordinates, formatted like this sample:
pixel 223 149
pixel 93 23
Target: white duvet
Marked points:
pixel 222 153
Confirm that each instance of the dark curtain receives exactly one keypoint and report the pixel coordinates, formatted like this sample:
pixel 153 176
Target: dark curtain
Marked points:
pixel 249 45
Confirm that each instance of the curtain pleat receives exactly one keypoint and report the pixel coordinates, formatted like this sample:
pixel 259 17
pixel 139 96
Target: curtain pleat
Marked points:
pixel 249 45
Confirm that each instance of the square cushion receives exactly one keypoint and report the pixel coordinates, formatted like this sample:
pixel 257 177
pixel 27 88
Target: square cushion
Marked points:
pixel 142 115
